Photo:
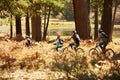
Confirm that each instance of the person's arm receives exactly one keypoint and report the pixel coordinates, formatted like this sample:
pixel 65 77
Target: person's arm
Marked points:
pixel 70 37
pixel 98 38
pixel 51 41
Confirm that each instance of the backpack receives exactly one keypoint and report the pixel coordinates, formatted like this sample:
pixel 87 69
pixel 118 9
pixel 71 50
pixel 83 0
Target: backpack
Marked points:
pixel 61 41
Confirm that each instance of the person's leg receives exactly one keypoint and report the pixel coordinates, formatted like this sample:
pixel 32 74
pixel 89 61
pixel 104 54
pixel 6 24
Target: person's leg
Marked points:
pixel 105 44
pixel 57 45
pixel 77 44
pixel 27 44
pixel 102 45
pixel 57 48
pixel 71 45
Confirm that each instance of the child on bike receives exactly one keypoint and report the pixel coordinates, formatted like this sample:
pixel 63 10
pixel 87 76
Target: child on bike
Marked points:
pixel 59 42
pixel 104 39
pixel 28 41
pixel 76 40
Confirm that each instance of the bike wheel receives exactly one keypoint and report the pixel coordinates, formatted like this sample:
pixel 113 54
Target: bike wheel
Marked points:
pixel 61 50
pixel 93 53
pixel 80 51
pixel 65 50
pixel 109 53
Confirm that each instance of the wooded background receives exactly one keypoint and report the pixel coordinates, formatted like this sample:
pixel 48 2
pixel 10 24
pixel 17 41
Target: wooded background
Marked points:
pixel 70 10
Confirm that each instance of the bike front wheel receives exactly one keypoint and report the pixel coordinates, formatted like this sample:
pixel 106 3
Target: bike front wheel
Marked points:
pixel 109 53
pixel 65 50
pixel 93 53
pixel 80 51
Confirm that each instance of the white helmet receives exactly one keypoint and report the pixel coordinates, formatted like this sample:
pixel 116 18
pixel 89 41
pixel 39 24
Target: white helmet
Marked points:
pixel 27 36
pixel 74 31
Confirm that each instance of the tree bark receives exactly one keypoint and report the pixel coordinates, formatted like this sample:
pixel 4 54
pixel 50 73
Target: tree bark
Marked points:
pixel 27 25
pixel 96 21
pixel 18 25
pixel 89 18
pixel 18 28
pixel 81 18
pixel 11 27
pixel 113 20
pixel 45 17
pixel 106 22
pixel 36 27
pixel 46 27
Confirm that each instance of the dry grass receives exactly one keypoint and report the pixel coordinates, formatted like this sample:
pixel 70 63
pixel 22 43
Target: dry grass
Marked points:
pixel 16 60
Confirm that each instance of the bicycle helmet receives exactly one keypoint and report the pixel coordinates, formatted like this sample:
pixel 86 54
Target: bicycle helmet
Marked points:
pixel 74 31
pixel 58 35
pixel 100 30
pixel 27 36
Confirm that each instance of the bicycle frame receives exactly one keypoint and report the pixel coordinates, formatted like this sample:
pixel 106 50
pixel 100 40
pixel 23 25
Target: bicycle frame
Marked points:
pixel 76 49
pixel 109 53
pixel 71 46
pixel 98 48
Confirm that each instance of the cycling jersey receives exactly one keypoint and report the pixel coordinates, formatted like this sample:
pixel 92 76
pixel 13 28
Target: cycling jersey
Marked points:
pixel 105 40
pixel 76 38
pixel 59 43
pixel 104 36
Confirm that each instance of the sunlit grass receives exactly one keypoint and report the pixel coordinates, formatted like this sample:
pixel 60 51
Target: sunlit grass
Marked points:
pixel 60 26
pixel 43 59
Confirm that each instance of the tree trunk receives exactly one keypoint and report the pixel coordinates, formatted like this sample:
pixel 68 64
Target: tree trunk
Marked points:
pixel 27 25
pixel 107 18
pixel 88 7
pixel 89 18
pixel 18 25
pixel 18 28
pixel 11 27
pixel 36 27
pixel 46 28
pixel 45 16
pixel 118 2
pixel 81 18
pixel 96 21
pixel 113 20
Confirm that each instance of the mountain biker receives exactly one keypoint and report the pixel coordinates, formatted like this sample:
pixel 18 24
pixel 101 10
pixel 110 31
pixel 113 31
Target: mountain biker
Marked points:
pixel 105 39
pixel 76 40
pixel 28 41
pixel 59 42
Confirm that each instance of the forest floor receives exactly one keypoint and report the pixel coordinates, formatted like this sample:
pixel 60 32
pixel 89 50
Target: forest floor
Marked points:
pixel 42 62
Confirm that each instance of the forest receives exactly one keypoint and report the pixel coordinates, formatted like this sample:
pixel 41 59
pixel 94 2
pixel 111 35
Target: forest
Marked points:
pixel 40 22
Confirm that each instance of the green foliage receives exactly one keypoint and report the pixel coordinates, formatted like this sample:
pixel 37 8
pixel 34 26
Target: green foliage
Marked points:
pixel 68 10
pixel 19 7
pixel 4 4
pixel 98 3
pixel 4 14
pixel 13 7
pixel 25 3
pixel 5 8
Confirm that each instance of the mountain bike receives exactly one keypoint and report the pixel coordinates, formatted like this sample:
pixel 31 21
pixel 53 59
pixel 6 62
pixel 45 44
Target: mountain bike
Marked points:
pixel 78 50
pixel 98 53
pixel 67 52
